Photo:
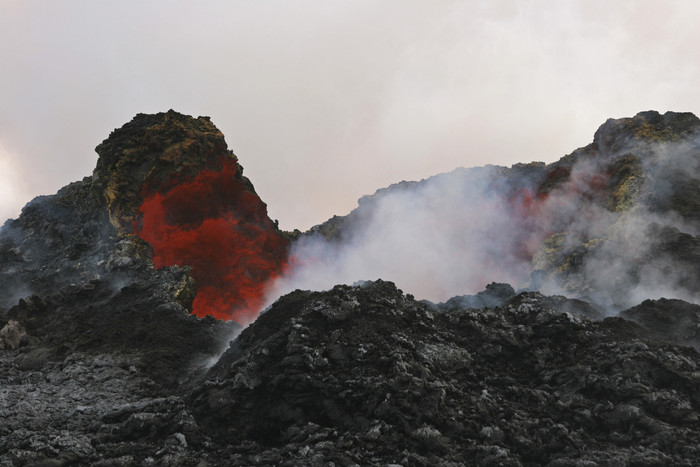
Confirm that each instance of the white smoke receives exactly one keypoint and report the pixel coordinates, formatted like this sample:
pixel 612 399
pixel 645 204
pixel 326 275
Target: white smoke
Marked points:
pixel 636 261
pixel 454 233
pixel 450 234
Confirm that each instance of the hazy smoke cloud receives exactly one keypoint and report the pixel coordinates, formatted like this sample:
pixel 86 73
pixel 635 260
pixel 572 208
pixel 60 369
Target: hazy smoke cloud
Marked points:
pixel 651 251
pixel 435 239
pixel 454 233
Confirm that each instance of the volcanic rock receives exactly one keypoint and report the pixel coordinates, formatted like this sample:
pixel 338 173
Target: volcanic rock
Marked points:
pixel 366 375
pixel 154 153
pixel 672 319
pixel 92 281
pixel 494 295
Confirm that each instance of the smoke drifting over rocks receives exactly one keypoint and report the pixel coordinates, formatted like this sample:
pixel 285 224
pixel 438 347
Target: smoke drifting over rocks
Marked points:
pixel 615 222
pixel 106 359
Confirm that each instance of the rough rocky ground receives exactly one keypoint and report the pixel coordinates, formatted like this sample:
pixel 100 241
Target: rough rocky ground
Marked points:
pixel 365 375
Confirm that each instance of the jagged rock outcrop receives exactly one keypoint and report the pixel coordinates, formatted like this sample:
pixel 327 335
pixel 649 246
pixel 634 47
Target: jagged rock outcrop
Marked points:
pixel 57 241
pixel 155 153
pixel 494 295
pixel 671 319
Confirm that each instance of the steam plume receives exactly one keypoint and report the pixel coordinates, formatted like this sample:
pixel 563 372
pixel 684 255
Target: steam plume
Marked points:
pixel 588 226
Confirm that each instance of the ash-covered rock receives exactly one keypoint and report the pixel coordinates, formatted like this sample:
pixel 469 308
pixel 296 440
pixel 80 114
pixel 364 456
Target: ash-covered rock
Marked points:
pixel 57 241
pixel 11 335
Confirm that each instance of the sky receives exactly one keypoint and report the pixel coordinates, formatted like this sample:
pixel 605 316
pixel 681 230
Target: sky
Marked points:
pixel 325 101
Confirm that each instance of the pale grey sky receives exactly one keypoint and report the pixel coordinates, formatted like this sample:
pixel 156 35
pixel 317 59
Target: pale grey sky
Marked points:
pixel 324 101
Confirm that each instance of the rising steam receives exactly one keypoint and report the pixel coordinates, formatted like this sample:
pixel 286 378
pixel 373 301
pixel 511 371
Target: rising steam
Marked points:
pixel 590 225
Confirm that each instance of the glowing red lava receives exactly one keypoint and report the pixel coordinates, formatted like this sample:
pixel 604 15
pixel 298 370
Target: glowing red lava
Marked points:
pixel 218 227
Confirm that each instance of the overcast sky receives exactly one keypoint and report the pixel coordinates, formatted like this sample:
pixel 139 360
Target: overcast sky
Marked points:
pixel 325 101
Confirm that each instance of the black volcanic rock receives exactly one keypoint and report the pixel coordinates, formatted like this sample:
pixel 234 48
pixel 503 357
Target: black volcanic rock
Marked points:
pixel 494 295
pixel 366 375
pixel 171 180
pixel 671 319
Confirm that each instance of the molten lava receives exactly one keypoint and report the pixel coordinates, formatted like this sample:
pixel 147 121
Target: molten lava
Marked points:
pixel 220 228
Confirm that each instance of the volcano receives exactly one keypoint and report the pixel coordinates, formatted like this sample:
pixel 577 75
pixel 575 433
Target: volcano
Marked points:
pixel 542 314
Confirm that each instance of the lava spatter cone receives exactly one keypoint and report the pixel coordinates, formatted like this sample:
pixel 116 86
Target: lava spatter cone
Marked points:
pixel 171 179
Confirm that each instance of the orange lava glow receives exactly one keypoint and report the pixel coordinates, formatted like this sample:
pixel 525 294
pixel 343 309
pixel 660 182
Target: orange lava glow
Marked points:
pixel 219 228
